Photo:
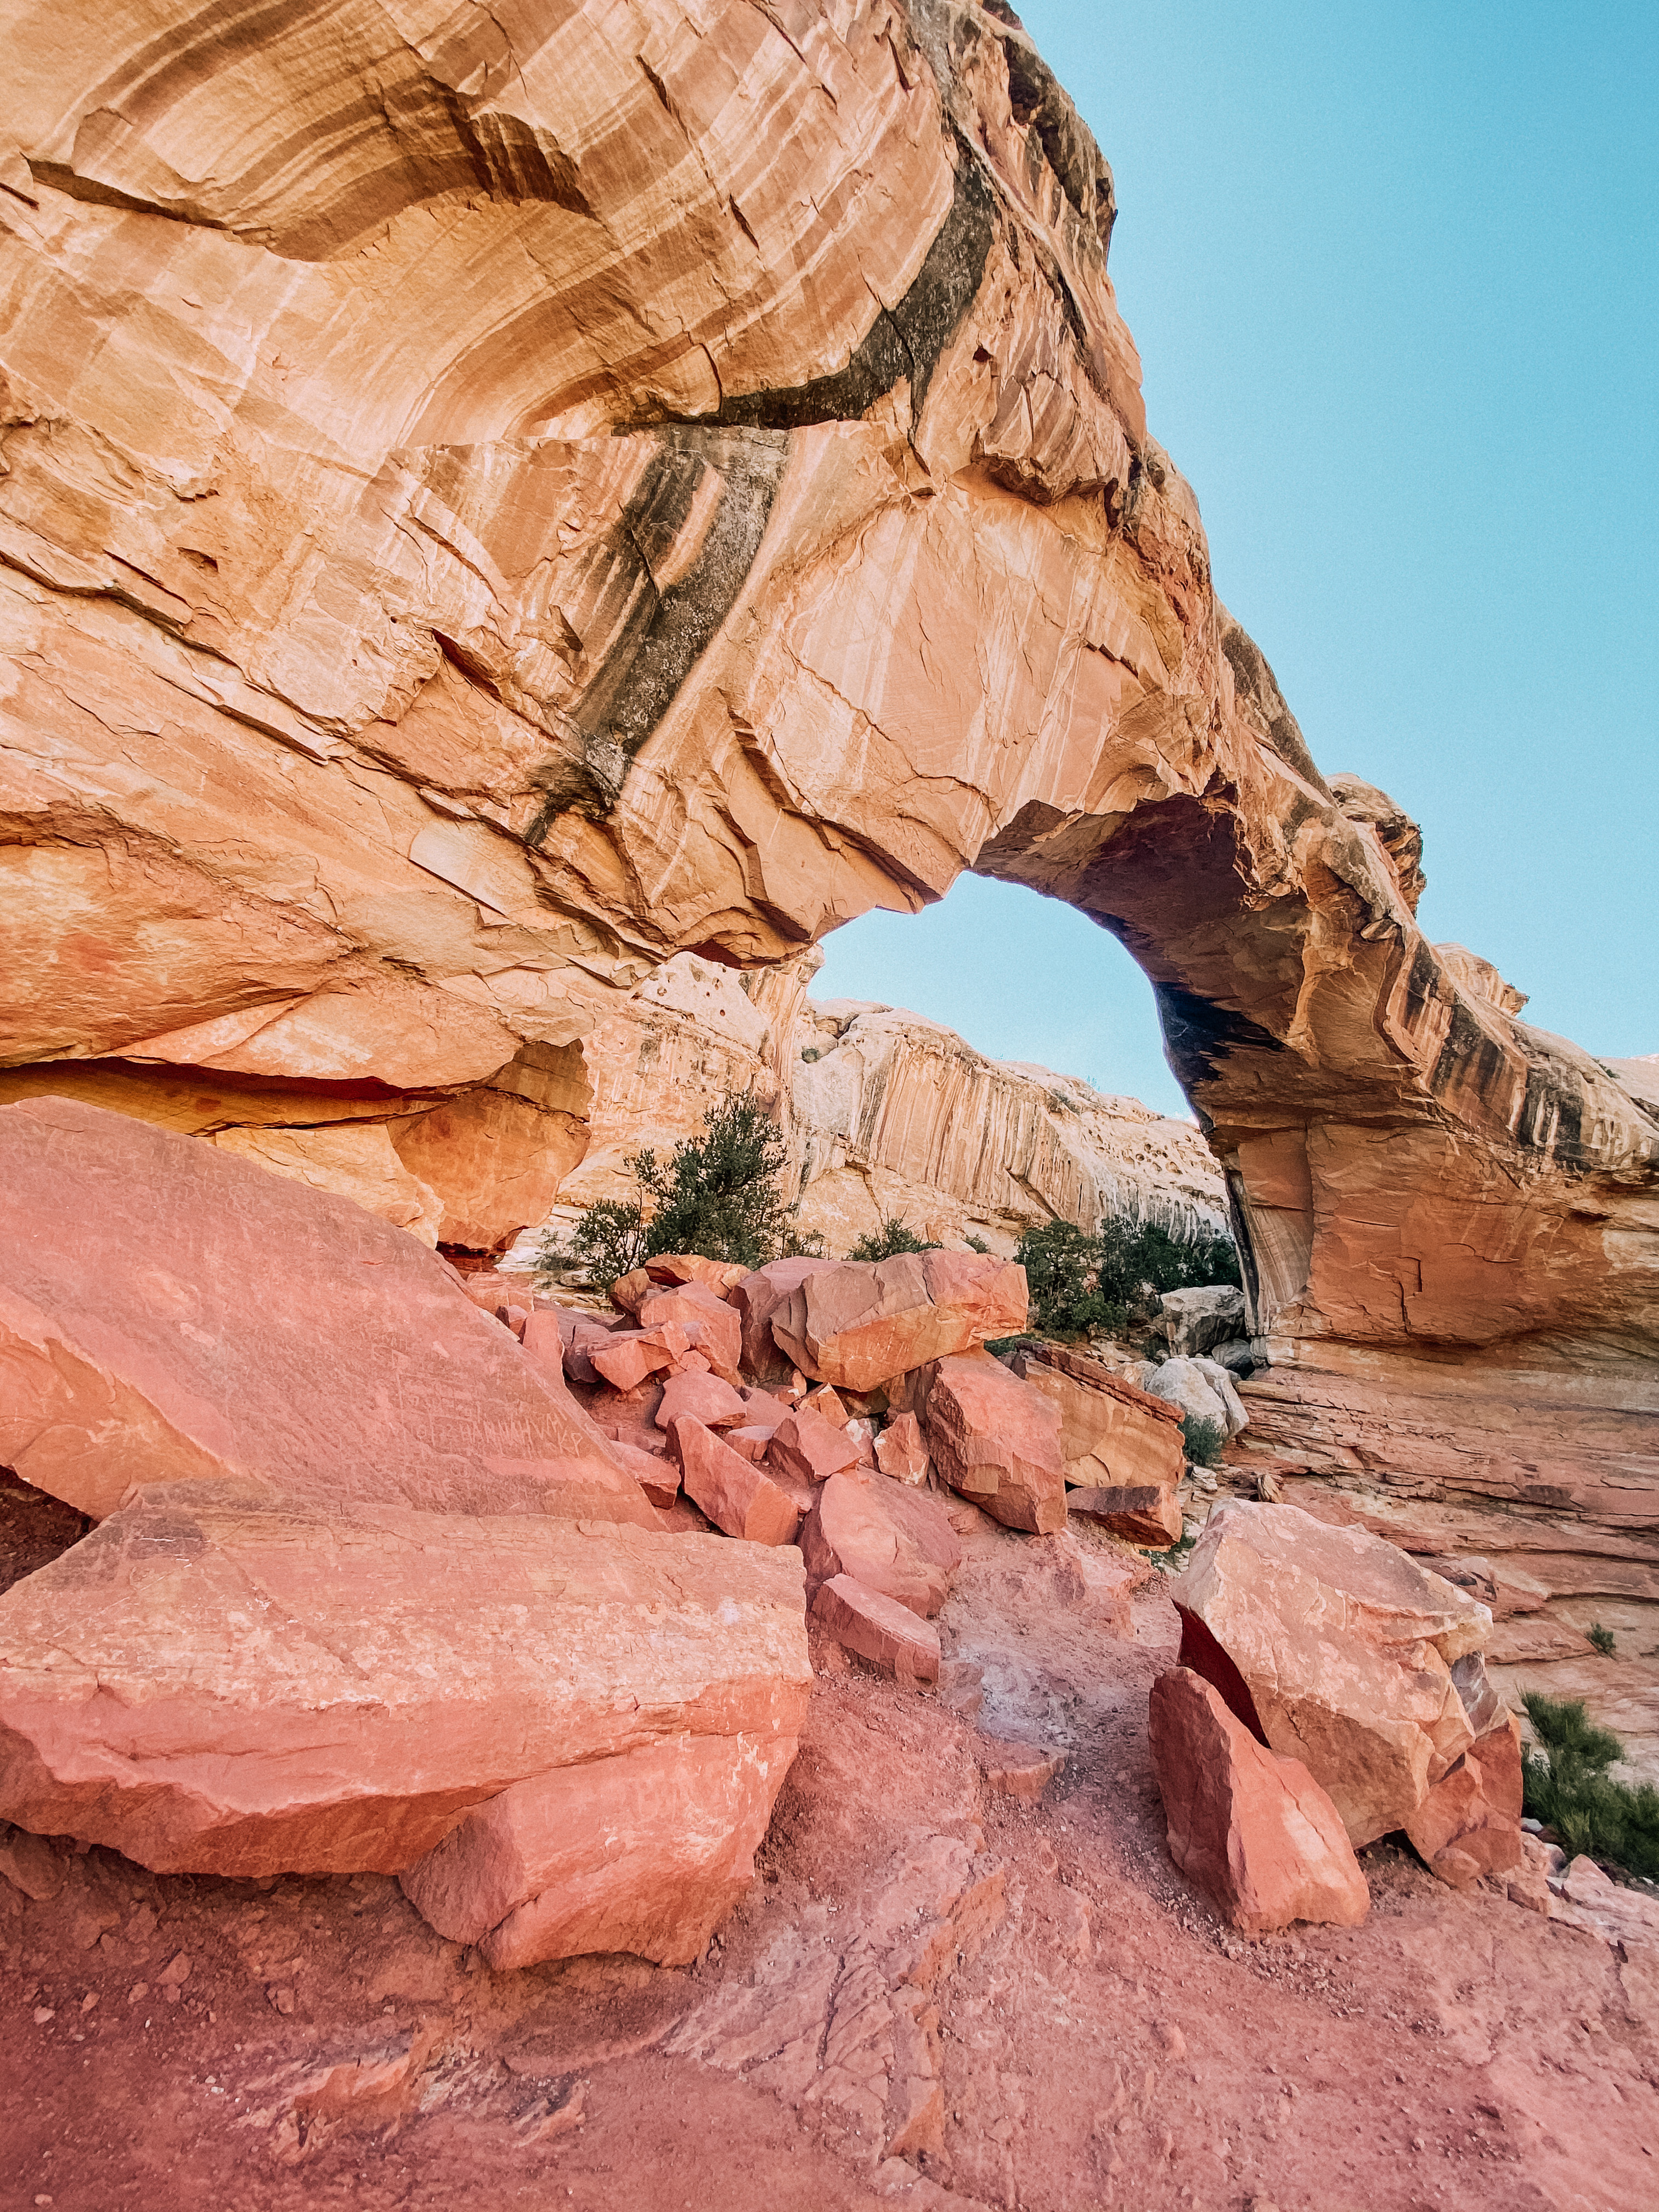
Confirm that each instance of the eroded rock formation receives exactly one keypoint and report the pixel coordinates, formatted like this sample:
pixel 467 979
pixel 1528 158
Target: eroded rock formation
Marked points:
pixel 492 503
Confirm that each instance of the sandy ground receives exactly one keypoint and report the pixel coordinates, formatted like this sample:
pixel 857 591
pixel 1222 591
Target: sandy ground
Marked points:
pixel 1030 1990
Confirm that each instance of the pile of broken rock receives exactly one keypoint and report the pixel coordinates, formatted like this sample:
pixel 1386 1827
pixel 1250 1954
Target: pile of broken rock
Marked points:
pixel 398 1570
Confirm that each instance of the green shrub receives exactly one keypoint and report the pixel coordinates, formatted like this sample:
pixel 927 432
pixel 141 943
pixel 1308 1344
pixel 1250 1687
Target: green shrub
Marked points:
pixel 717 1193
pixel 1566 1785
pixel 977 1244
pixel 1083 1286
pixel 889 1241
pixel 1205 1440
pixel 1602 1639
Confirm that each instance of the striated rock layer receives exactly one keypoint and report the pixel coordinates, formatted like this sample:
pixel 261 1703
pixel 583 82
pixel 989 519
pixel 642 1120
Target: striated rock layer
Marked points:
pixel 495 503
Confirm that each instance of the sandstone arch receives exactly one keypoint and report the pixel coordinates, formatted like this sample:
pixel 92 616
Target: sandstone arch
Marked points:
pixel 495 500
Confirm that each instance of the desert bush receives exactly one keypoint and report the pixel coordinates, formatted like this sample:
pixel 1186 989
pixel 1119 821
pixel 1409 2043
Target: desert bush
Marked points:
pixel 1603 1638
pixel 1083 1286
pixel 1205 1440
pixel 1566 1785
pixel 718 1193
pixel 889 1241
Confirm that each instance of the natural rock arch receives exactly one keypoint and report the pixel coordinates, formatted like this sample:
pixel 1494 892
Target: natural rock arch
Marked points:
pixel 490 507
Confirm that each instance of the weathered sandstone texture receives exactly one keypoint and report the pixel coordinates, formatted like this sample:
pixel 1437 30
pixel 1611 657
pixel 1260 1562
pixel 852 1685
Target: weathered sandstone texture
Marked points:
pixel 169 1313
pixel 217 1682
pixel 861 1324
pixel 1123 1448
pixel 493 502
pixel 1334 1648
pixel 1250 1825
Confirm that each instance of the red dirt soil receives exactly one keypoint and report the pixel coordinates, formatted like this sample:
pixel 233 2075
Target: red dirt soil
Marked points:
pixel 1102 2039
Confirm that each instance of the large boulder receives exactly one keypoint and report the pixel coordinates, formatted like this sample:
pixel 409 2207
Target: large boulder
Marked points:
pixel 1201 1390
pixel 1123 1448
pixel 890 1636
pixel 997 1441
pixel 1333 1647
pixel 215 1682
pixel 1193 1322
pixel 646 1852
pixel 735 1495
pixel 1248 1825
pixel 168 1312
pixel 895 1539
pixel 861 1323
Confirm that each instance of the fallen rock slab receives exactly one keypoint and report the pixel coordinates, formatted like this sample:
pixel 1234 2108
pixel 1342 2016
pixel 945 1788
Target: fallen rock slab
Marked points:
pixel 1333 1647
pixel 997 1441
pixel 645 1853
pixel 808 1449
pixel 171 1312
pixel 900 1452
pixel 711 1326
pixel 703 1398
pixel 756 1298
pixel 213 1682
pixel 1469 1824
pixel 1123 1446
pixel 894 1639
pixel 736 1494
pixel 895 1540
pixel 1246 1824
pixel 861 1323
pixel 658 1475
pixel 1194 1322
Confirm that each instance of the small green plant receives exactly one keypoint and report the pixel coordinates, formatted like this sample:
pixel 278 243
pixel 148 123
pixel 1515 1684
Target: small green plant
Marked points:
pixel 1085 1286
pixel 718 1193
pixel 889 1241
pixel 1205 1440
pixel 977 1244
pixel 1566 1785
pixel 1602 1639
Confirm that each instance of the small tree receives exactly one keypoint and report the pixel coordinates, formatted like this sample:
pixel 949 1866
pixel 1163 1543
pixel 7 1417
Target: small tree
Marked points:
pixel 717 1193
pixel 1567 1786
pixel 1082 1285
pixel 889 1241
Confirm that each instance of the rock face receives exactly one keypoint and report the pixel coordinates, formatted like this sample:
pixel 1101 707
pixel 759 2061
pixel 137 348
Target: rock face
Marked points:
pixel 520 444
pixel 213 1682
pixel 1249 1825
pixel 168 1312
pixel 1334 1648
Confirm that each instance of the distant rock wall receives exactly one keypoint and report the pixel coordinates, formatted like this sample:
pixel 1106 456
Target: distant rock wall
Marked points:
pixel 884 1113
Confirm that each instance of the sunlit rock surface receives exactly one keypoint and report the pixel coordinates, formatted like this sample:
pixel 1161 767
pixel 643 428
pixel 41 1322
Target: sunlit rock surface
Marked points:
pixel 494 501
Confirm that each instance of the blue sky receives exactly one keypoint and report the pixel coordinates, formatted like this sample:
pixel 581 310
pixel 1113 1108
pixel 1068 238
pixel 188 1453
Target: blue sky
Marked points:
pixel 1394 272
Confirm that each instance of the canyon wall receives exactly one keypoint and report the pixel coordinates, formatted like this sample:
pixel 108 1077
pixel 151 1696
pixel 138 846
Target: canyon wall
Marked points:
pixel 493 500
pixel 883 1114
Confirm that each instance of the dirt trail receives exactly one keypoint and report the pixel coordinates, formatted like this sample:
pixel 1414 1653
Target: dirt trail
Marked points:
pixel 1028 1991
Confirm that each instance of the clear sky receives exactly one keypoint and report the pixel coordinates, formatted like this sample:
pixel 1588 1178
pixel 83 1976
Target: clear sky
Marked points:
pixel 1393 273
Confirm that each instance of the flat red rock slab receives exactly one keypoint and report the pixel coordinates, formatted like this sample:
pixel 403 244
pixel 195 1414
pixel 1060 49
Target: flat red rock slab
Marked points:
pixel 1140 1513
pixel 703 1398
pixel 737 1496
pixel 1248 1825
pixel 1017 1770
pixel 892 1639
pixel 861 1323
pixel 212 1683
pixel 647 1853
pixel 658 1475
pixel 169 1311
pixel 810 1448
pixel 895 1540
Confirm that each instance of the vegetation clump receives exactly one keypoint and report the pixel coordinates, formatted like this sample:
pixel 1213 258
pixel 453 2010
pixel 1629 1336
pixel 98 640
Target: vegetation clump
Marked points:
pixel 1566 1785
pixel 887 1243
pixel 719 1193
pixel 1087 1285
pixel 1603 1638
pixel 1205 1440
